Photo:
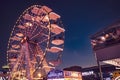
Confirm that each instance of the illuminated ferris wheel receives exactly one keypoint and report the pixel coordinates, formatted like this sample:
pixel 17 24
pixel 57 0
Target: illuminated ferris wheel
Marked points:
pixel 35 44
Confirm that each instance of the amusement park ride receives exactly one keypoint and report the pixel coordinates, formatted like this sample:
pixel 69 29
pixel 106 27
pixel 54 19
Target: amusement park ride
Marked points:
pixel 35 44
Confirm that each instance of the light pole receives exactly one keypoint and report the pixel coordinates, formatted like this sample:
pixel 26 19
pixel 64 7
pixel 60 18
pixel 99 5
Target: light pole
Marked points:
pixel 100 68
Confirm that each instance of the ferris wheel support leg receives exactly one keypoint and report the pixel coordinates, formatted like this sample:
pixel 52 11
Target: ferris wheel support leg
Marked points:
pixel 28 65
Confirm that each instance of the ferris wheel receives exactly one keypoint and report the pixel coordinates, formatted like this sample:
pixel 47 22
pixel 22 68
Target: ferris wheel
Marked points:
pixel 35 44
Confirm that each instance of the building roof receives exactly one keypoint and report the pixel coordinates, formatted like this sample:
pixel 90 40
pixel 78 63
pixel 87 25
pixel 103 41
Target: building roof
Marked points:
pixel 107 28
pixel 73 68
pixel 104 68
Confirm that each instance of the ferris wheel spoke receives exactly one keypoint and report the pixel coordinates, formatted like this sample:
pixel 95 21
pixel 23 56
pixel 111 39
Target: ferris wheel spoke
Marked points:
pixel 42 55
pixel 17 62
pixel 42 41
pixel 41 36
pixel 33 54
pixel 34 30
pixel 23 29
pixel 43 61
pixel 40 52
pixel 46 39
pixel 38 34
pixel 29 31
pixel 31 49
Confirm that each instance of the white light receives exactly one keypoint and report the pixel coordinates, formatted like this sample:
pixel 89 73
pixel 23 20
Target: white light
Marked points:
pixel 87 73
pixel 103 38
pixel 39 74
pixel 46 18
pixel 28 24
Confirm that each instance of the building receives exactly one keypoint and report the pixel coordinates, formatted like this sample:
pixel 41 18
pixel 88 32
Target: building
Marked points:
pixel 72 73
pixel 109 72
pixel 92 73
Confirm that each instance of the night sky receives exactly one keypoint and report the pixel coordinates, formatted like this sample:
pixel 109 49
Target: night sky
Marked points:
pixel 81 19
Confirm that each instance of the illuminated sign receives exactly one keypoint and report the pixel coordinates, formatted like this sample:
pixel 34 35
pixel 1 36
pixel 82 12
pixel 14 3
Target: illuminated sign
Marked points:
pixel 72 75
pixel 87 73
pixel 55 74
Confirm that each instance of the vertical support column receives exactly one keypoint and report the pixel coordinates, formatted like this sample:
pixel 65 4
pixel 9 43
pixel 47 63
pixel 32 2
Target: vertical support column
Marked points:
pixel 99 66
pixel 27 60
pixel 100 70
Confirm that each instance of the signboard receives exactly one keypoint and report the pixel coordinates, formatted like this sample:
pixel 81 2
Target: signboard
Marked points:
pixel 87 73
pixel 108 53
pixel 55 75
pixel 72 75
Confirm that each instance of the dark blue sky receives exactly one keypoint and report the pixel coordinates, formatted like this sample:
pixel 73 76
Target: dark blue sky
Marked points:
pixel 81 19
